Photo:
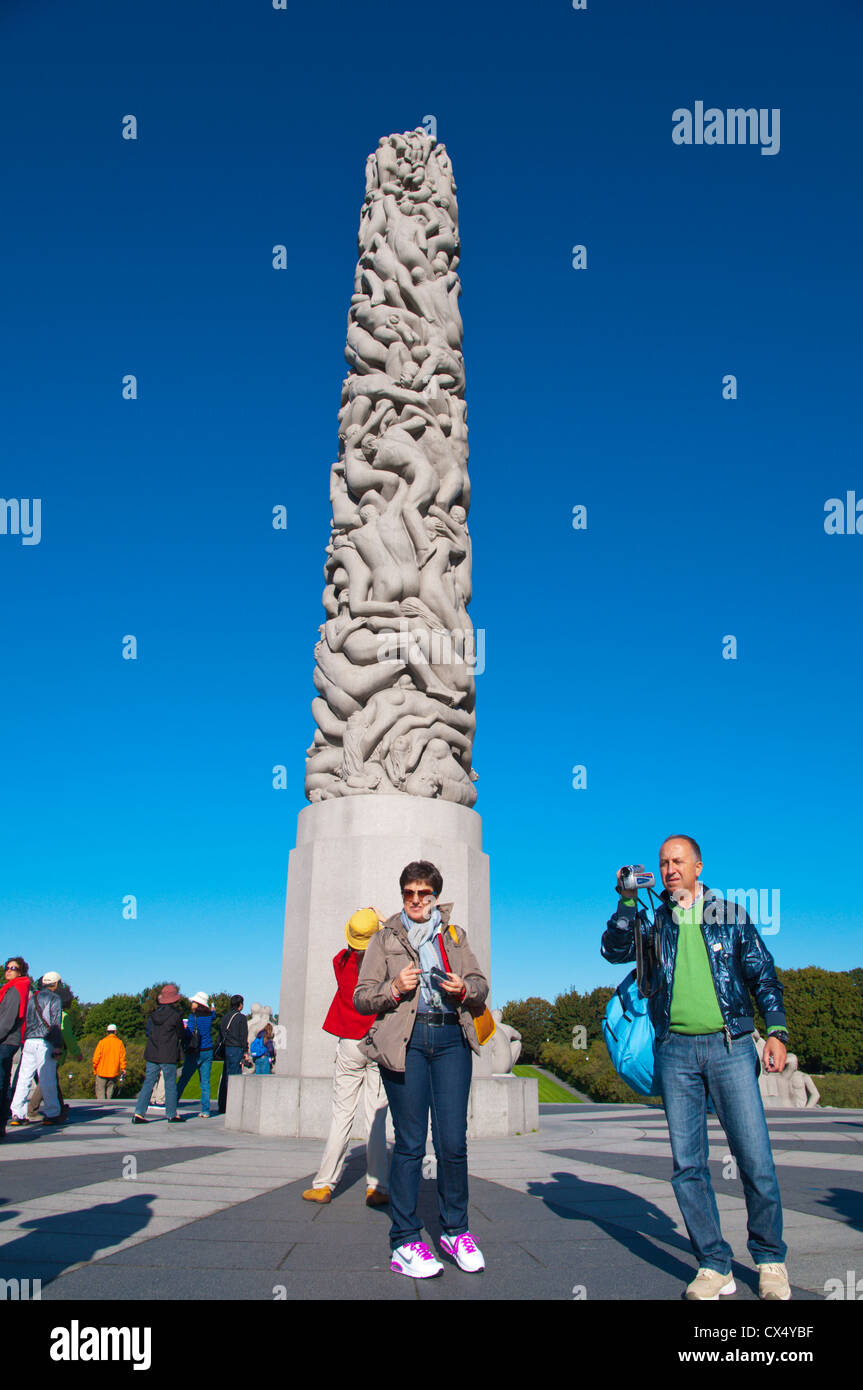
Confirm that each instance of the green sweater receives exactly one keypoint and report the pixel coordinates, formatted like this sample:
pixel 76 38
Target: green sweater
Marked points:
pixel 694 1006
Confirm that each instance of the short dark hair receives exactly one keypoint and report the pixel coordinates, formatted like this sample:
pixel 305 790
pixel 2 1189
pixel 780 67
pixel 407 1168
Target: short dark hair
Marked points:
pixel 20 962
pixel 236 1000
pixel 421 871
pixel 696 849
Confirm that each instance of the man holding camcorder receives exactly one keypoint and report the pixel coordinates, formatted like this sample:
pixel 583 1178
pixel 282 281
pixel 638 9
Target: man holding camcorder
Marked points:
pixel 705 958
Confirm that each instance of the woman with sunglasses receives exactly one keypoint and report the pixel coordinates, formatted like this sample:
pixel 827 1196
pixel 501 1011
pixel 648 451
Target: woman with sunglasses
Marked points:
pixel 421 978
pixel 14 994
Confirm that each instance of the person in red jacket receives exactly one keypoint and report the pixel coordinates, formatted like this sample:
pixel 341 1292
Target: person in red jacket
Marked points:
pixel 17 985
pixel 351 1071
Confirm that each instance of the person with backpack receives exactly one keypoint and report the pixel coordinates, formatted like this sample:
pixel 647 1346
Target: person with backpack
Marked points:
pixel 263 1051
pixel 43 1044
pixel 708 962
pixel 70 1048
pixel 198 1043
pixel 234 1046
pixel 163 1053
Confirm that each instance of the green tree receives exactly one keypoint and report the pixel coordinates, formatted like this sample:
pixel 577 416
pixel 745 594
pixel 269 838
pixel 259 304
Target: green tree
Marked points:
pixel 595 1005
pixel 566 1012
pixel 122 1009
pixel 532 1017
pixel 825 1019
pixel 76 1016
pixel 573 1008
pixel 221 1002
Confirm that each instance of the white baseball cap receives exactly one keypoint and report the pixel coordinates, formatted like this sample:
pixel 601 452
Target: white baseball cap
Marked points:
pixel 112 1028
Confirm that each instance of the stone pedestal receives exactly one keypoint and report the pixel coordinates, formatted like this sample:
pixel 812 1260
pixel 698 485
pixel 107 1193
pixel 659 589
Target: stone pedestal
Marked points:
pixel 350 852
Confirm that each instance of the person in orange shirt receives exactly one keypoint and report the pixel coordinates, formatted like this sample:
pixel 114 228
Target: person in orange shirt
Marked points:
pixel 109 1063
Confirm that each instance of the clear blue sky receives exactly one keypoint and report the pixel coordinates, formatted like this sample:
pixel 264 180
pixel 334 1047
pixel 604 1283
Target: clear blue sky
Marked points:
pixel 600 387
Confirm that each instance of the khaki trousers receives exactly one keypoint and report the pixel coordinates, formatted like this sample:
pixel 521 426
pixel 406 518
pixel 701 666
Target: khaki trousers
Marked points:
pixel 105 1087
pixel 353 1071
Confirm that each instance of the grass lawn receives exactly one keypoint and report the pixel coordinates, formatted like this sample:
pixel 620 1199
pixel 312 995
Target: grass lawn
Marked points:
pixel 193 1089
pixel 549 1091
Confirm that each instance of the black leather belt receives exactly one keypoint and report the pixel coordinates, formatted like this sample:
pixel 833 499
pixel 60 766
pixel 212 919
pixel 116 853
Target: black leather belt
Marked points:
pixel 435 1017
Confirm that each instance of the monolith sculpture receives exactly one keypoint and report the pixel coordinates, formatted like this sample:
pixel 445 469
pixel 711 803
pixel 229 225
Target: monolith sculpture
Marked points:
pixel 389 771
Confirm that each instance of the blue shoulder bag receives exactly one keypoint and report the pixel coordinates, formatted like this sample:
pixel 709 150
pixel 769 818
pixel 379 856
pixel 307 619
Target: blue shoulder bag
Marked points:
pixel 627 1028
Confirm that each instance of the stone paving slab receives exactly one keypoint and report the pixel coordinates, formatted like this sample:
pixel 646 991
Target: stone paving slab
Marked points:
pixel 585 1203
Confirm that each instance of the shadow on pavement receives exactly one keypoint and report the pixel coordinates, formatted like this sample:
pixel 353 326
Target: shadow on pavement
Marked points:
pixel 49 1248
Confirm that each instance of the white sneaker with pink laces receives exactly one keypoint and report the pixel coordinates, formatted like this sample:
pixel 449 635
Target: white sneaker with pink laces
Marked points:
pixel 415 1260
pixel 464 1251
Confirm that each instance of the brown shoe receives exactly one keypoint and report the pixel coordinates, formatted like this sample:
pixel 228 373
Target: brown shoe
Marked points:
pixel 376 1197
pixel 318 1194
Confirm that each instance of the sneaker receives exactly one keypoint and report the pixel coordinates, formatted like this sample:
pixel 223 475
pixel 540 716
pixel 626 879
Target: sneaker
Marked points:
pixel 415 1260
pixel 15 1121
pixel 377 1197
pixel 773 1282
pixel 708 1284
pixel 318 1194
pixel 139 1120
pixel 204 1115
pixel 176 1119
pixel 155 1105
pixel 52 1119
pixel 464 1251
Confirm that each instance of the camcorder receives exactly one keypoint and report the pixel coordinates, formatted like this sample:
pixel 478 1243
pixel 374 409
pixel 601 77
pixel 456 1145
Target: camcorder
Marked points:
pixel 634 877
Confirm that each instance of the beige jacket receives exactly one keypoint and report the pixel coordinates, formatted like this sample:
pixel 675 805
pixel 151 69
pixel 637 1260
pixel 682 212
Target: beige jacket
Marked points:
pixel 388 952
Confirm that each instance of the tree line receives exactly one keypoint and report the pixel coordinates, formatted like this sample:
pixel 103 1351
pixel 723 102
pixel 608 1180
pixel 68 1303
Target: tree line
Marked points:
pixel 130 1012
pixel 824 1010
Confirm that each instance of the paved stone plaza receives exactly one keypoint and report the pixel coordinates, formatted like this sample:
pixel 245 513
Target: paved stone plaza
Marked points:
pixel 99 1209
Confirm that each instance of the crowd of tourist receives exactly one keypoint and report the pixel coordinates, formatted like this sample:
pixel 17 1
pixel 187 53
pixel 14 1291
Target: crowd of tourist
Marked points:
pixel 36 1037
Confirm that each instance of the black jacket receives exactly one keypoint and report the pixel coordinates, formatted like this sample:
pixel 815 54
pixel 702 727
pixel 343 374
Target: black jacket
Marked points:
pixel 164 1035
pixel 234 1029
pixel 740 963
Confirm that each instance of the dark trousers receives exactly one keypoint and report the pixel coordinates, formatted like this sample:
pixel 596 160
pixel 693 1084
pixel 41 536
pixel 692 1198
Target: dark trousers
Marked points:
pixel 7 1052
pixel 233 1067
pixel 436 1080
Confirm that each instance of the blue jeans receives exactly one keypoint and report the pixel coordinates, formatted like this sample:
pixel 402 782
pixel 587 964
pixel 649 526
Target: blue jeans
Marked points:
pixel 688 1069
pixel 201 1061
pixel 151 1076
pixel 436 1078
pixel 233 1067
pixel 262 1066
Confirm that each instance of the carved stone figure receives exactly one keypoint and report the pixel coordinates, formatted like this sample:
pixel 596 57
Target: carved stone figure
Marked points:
pixel 261 1015
pixel 505 1045
pixel 394 668
pixel 791 1088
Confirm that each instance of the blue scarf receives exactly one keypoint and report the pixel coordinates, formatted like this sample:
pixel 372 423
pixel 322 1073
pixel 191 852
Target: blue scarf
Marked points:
pixel 421 936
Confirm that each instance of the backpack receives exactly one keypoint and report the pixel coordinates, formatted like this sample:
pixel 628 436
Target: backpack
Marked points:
pixel 627 1028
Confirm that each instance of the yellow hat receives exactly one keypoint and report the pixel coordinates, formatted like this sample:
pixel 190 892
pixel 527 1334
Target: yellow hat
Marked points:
pixel 361 927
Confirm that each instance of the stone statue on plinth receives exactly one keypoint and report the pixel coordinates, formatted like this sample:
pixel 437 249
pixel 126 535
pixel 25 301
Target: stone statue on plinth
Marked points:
pixel 389 772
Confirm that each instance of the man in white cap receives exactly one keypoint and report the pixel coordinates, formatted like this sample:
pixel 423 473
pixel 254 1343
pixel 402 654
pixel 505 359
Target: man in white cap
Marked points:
pixel 353 1072
pixel 43 1043
pixel 109 1063
pixel 198 1045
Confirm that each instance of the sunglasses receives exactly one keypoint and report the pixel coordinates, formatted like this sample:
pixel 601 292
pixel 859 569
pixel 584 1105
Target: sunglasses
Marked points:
pixel 421 897
pixel 16 968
